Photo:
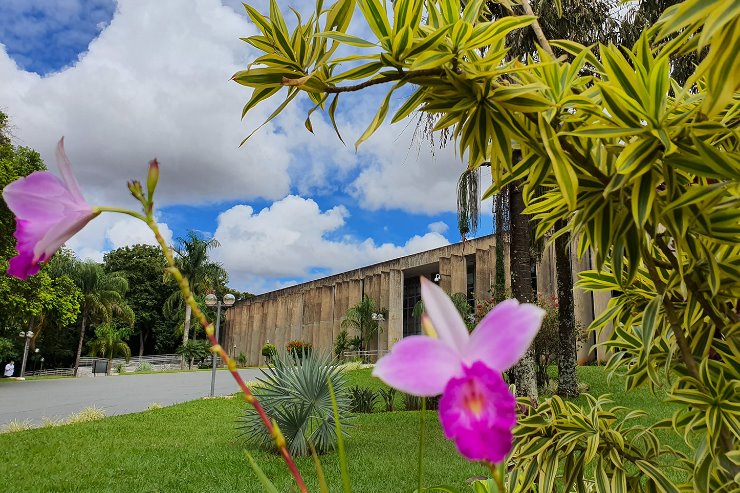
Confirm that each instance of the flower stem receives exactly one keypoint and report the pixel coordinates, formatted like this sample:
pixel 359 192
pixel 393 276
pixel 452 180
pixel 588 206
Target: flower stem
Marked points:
pixel 497 474
pixel 421 443
pixel 208 326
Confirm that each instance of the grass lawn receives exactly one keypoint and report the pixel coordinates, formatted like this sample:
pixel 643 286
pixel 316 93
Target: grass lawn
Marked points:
pixel 194 447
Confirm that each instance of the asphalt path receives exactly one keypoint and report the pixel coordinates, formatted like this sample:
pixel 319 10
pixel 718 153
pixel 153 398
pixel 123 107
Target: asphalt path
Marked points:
pixel 58 398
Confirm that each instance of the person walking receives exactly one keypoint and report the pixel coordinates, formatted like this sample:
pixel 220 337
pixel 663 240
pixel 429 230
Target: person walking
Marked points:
pixel 9 369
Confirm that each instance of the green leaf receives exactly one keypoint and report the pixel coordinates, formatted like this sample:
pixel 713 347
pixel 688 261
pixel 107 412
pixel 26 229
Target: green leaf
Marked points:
pixel 409 105
pixel 431 59
pixel 643 195
pixel 340 442
pixel 259 94
pixel 638 156
pixel 378 119
pixel 346 39
pixel 653 472
pixel 565 174
pixel 266 483
pixel 359 72
pixel 332 112
pixel 376 17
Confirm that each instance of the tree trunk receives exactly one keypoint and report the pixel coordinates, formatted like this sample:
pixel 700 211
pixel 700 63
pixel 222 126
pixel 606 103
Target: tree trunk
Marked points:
pixel 79 344
pixel 499 290
pixel 186 331
pixel 523 373
pixel 567 379
pixel 141 343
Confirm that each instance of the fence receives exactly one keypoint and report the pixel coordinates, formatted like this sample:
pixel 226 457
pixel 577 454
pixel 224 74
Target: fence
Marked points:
pixel 157 362
pixel 364 356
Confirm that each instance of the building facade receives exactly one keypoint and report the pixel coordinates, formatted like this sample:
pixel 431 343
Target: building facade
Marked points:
pixel 313 311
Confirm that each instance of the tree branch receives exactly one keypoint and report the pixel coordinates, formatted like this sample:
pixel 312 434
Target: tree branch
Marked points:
pixel 538 29
pixel 430 72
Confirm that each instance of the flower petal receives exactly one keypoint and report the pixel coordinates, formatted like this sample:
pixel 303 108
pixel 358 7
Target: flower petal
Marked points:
pixel 478 412
pixel 419 365
pixel 65 168
pixel 447 321
pixel 504 335
pixel 40 196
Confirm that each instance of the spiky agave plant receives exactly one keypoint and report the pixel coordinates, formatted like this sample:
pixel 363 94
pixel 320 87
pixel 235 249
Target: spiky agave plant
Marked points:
pixel 295 393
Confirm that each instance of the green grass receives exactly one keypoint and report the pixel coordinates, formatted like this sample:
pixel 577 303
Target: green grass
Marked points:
pixel 194 447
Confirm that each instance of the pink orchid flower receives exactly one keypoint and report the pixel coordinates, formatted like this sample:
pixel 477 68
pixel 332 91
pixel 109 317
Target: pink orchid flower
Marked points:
pixel 48 211
pixel 476 410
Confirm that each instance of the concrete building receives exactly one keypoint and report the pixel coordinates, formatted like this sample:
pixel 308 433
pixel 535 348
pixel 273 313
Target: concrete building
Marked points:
pixel 313 311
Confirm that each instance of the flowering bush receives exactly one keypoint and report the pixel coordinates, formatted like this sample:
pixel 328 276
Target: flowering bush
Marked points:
pixel 269 351
pixel 298 349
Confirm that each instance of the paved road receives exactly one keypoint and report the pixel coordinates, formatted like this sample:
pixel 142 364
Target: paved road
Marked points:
pixel 58 398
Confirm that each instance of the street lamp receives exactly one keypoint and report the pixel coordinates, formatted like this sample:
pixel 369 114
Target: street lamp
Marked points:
pixel 27 335
pixel 211 300
pixel 378 317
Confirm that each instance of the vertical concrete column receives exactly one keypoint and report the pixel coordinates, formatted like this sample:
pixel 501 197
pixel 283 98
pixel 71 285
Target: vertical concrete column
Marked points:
pixel 483 278
pixel 256 329
pixel 601 302
pixel 340 305
pixel 326 320
pixel 384 303
pixel 445 273
pixel 296 315
pixel 281 308
pixel 270 317
pixel 241 322
pixel 306 328
pixel 354 296
pixel 394 331
pixel 458 274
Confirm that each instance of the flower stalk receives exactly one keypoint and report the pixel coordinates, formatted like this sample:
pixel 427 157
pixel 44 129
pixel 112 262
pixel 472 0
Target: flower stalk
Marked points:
pixel 184 285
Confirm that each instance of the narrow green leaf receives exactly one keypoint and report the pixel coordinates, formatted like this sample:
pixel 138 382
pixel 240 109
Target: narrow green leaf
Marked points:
pixel 661 480
pixel 346 39
pixel 340 442
pixel 266 483
pixel 564 172
pixel 378 119
pixel 643 195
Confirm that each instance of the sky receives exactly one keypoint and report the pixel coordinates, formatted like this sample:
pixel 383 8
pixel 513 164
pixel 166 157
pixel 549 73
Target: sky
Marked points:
pixel 125 81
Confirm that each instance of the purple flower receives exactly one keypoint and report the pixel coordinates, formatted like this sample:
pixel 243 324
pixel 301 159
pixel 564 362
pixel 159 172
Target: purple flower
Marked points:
pixel 477 411
pixel 477 408
pixel 48 211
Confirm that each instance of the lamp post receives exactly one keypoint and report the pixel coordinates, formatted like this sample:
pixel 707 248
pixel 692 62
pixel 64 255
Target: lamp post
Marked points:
pixel 211 300
pixel 378 317
pixel 27 335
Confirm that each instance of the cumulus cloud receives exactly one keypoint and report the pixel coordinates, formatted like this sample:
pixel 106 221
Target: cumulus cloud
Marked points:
pixel 294 239
pixel 108 232
pixel 438 227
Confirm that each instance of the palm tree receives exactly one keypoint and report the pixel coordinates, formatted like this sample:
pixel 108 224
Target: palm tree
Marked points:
pixel 109 343
pixel 360 318
pixel 191 257
pixel 102 298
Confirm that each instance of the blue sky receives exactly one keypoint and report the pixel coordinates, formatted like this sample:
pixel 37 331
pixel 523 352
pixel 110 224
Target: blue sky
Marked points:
pixel 126 81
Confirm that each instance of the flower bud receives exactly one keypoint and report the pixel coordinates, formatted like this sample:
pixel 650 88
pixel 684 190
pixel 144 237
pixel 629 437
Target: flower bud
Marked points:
pixel 277 435
pixel 134 187
pixel 152 178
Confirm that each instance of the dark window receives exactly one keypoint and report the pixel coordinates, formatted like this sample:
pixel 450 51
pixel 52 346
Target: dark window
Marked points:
pixel 411 296
pixel 471 281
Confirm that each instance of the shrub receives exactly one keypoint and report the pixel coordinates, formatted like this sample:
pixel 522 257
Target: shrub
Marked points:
pixel 241 360
pixel 547 342
pixel 389 398
pixel 144 367
pixel 90 413
pixel 299 349
pixel 15 426
pixel 295 393
pixel 363 399
pixel 120 368
pixel 413 403
pixel 269 351
pixel 194 351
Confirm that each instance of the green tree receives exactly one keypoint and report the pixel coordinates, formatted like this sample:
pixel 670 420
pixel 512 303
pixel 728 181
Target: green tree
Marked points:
pixel 142 266
pixel 360 319
pixel 204 275
pixel 103 298
pixel 109 342
pixel 642 169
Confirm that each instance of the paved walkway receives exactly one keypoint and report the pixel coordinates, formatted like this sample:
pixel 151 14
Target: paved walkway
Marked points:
pixel 58 398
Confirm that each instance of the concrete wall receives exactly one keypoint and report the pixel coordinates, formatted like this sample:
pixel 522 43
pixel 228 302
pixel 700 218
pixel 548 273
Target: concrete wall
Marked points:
pixel 314 311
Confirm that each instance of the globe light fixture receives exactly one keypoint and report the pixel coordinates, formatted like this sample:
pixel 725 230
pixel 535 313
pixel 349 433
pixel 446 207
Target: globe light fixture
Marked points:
pixel 212 300
pixel 27 335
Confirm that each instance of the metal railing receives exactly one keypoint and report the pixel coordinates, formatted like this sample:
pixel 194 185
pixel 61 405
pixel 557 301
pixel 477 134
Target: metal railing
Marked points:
pixel 53 372
pixel 157 362
pixel 364 356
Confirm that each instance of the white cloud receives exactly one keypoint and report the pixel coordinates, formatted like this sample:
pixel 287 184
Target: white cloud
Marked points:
pixel 293 238
pixel 110 231
pixel 438 227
